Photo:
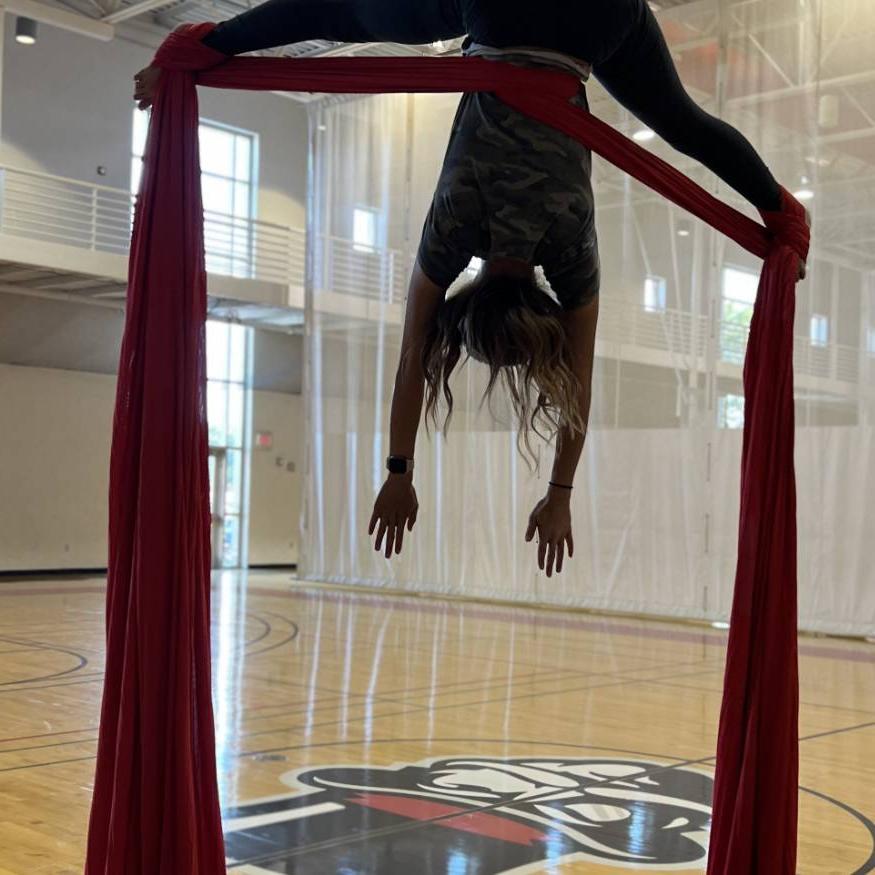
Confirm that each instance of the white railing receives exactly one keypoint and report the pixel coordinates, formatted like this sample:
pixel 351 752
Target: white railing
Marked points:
pixel 347 268
pixel 53 209
pixel 671 331
pixel 39 206
pixel 58 210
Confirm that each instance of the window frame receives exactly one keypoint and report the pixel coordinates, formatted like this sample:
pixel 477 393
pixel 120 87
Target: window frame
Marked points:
pixel 225 260
pixel 375 215
pixel 660 284
pixel 818 321
pixel 740 322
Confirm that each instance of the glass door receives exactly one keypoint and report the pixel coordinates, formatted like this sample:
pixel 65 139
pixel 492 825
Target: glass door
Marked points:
pixel 218 475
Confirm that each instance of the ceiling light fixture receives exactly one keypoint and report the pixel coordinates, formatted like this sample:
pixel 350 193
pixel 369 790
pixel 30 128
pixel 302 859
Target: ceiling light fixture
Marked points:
pixel 829 111
pixel 643 135
pixel 804 194
pixel 25 31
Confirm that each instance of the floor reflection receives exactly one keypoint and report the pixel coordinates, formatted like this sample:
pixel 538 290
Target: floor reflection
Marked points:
pixel 377 734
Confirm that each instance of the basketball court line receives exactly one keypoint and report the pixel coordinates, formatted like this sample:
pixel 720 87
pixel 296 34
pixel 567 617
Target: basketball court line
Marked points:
pixel 523 616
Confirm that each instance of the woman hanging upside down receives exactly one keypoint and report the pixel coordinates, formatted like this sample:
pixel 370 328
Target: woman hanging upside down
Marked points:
pixel 516 194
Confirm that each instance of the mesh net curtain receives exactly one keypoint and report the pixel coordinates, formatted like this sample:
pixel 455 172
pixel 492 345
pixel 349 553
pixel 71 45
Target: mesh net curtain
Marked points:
pixel 156 805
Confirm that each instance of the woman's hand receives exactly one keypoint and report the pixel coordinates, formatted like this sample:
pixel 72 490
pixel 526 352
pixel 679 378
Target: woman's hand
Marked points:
pixel 145 83
pixel 396 507
pixel 551 519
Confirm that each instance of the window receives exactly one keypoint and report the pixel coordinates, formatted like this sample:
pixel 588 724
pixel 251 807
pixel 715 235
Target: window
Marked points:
pixel 739 296
pixel 654 294
pixel 730 411
pixel 227 159
pixel 227 351
pixel 364 229
pixel 819 330
pixel 870 341
pixel 138 148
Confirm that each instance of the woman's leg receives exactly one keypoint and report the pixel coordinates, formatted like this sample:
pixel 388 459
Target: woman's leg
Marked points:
pixel 282 22
pixel 641 75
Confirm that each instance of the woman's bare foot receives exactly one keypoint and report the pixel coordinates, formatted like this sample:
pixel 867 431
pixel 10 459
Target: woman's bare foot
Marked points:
pixel 803 268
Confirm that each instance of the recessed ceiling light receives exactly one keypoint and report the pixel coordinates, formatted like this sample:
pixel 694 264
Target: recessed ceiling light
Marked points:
pixel 719 624
pixel 643 135
pixel 683 232
pixel 804 194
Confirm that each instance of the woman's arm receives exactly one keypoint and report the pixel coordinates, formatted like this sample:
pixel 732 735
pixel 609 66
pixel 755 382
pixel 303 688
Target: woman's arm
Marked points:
pixel 283 22
pixel 580 326
pixel 396 505
pixel 423 302
pixel 551 518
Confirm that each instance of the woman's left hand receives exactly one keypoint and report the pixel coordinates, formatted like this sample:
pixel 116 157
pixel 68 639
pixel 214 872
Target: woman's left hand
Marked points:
pixel 551 519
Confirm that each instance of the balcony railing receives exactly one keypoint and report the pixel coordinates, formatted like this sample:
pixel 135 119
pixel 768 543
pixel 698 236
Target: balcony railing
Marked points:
pixel 58 210
pixel 97 218
pixel 39 206
pixel 352 269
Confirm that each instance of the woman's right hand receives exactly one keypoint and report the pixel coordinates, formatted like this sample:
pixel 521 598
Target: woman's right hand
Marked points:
pixel 145 84
pixel 396 507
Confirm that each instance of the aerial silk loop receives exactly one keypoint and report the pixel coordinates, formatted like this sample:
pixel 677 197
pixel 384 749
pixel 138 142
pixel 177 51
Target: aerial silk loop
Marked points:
pixel 156 806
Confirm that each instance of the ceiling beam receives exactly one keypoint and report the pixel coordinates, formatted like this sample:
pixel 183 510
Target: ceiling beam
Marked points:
pixel 58 296
pixel 813 87
pixel 61 18
pixel 135 9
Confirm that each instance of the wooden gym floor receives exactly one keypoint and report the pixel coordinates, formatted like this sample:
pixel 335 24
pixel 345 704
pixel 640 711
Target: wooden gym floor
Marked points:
pixel 368 733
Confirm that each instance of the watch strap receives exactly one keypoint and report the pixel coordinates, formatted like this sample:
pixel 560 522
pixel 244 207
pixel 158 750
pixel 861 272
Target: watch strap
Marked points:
pixel 399 465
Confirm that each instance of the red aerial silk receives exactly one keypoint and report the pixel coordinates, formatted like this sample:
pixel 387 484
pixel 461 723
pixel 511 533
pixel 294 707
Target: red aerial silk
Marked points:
pixel 156 806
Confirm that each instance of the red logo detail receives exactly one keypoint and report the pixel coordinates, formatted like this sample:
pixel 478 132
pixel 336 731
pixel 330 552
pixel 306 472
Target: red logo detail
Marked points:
pixel 478 822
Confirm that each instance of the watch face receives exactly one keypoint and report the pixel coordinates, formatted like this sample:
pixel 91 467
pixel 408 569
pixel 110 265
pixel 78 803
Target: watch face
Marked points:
pixel 397 466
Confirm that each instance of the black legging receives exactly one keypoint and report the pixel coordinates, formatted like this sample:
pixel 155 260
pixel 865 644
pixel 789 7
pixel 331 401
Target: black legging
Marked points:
pixel 620 38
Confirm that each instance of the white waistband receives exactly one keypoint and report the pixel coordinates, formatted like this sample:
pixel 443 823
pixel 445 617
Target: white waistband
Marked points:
pixel 532 53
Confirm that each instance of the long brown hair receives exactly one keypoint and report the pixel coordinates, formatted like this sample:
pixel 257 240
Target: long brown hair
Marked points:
pixel 513 326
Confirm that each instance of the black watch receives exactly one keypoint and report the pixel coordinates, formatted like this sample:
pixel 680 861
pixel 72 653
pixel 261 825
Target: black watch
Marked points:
pixel 399 465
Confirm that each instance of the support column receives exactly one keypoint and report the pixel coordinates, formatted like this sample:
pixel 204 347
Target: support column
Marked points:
pixel 865 392
pixel 2 79
pixel 2 46
pixel 712 261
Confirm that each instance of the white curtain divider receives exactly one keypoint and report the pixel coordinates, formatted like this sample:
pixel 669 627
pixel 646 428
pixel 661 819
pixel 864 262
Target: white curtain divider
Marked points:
pixel 656 501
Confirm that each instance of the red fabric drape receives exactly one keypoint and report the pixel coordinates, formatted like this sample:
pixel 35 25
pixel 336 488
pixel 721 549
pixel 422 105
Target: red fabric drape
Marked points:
pixel 155 807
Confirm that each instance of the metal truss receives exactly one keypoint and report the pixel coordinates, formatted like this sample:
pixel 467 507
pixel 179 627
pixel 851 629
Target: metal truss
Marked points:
pixel 798 51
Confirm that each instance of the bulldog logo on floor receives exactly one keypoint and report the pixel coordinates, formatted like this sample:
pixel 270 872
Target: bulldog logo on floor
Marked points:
pixel 505 815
